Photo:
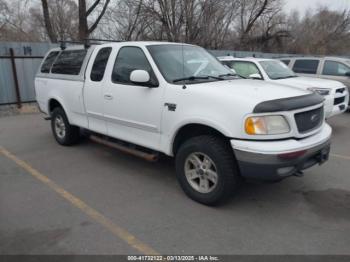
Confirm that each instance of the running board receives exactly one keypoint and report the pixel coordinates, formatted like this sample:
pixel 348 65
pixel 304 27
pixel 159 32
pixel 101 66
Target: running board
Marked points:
pixel 152 157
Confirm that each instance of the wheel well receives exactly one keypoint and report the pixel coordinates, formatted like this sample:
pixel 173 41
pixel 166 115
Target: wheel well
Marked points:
pixel 193 130
pixel 53 104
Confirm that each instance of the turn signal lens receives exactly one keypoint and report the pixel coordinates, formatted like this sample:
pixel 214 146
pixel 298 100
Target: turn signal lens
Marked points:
pixel 255 126
pixel 266 125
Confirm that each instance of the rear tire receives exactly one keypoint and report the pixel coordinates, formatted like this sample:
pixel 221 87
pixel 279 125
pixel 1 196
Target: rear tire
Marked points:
pixel 206 170
pixel 64 133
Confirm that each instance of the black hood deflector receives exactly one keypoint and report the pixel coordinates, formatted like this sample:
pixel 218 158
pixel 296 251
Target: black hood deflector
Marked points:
pixel 288 104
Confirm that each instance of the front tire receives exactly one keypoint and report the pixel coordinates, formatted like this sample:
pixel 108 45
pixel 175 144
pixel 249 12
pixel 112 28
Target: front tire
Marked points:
pixel 64 133
pixel 206 170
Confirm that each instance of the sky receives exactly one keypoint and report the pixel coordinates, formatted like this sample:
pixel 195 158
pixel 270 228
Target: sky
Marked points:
pixel 302 5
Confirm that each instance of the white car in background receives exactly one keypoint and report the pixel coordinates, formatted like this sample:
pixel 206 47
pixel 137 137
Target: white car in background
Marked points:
pixel 335 93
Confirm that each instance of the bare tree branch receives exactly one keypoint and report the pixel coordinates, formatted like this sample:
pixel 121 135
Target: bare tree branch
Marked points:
pixel 95 24
pixel 47 20
pixel 92 7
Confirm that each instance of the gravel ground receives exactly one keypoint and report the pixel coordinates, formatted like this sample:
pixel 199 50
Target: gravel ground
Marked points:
pixel 13 110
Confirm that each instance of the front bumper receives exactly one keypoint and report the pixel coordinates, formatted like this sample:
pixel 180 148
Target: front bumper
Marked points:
pixel 275 160
pixel 332 108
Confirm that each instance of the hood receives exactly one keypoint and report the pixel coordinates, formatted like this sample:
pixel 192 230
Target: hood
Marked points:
pixel 307 82
pixel 252 89
pixel 243 92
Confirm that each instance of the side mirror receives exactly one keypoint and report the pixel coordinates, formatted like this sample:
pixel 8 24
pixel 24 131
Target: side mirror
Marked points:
pixel 141 77
pixel 256 76
pixel 347 74
pixel 233 71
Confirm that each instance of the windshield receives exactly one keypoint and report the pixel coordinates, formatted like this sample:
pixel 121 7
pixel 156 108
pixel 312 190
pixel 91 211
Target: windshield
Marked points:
pixel 277 70
pixel 183 63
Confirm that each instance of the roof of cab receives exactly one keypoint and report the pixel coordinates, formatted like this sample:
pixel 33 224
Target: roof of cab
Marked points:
pixel 315 57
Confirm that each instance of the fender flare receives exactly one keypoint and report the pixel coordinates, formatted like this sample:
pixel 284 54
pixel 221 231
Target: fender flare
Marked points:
pixel 194 121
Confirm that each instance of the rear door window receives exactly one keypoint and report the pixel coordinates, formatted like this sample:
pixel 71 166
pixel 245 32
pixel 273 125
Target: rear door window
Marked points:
pixel 335 68
pixel 45 68
pixel 100 63
pixel 69 62
pixel 306 66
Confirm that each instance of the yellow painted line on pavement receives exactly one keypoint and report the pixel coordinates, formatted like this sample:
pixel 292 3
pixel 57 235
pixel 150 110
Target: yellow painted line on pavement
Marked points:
pixel 340 156
pixel 95 215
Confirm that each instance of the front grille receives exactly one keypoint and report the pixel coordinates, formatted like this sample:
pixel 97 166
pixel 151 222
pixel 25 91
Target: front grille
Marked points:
pixel 309 120
pixel 339 100
pixel 340 90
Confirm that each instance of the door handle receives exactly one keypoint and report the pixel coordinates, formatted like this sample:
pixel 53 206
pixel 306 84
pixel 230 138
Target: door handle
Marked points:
pixel 108 97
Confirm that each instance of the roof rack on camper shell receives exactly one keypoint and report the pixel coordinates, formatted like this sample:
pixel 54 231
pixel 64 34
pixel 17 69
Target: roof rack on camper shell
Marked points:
pixel 86 42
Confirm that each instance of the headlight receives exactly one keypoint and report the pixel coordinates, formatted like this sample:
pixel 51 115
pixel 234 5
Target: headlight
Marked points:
pixel 321 91
pixel 266 125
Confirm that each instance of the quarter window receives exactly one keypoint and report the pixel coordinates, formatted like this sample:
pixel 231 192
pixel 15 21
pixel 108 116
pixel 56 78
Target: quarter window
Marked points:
pixel 335 69
pixel 45 68
pixel 69 62
pixel 128 60
pixel 307 66
pixel 100 63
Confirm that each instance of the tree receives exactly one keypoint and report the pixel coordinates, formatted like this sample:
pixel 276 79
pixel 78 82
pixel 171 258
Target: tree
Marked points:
pixel 250 25
pixel 61 21
pixel 324 32
pixel 84 29
pixel 213 24
pixel 3 10
pixel 270 32
pixel 15 22
pixel 83 15
pixel 125 20
pixel 47 20
pixel 203 22
pixel 250 12
pixel 169 14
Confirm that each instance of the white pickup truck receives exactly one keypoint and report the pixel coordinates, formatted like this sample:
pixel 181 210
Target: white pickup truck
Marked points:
pixel 148 98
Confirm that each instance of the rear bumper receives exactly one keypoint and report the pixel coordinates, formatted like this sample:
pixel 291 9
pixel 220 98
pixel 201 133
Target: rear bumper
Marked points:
pixel 275 160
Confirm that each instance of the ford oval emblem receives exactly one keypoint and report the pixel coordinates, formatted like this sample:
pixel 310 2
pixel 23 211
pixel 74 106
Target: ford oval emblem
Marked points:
pixel 314 118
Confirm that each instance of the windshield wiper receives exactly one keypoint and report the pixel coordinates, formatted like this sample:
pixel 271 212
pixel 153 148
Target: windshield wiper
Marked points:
pixel 291 76
pixel 193 78
pixel 190 78
pixel 285 77
pixel 216 77
pixel 229 74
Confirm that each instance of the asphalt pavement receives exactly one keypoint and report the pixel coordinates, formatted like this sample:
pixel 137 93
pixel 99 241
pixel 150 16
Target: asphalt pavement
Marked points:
pixel 91 199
